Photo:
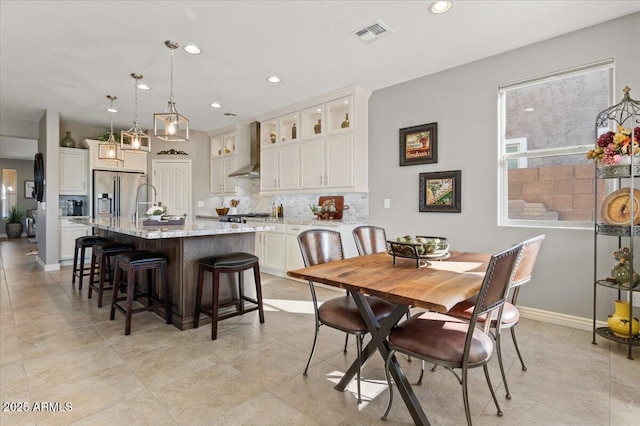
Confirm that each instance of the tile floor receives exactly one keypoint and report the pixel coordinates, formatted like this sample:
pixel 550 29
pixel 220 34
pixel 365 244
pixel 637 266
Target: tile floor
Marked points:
pixel 58 347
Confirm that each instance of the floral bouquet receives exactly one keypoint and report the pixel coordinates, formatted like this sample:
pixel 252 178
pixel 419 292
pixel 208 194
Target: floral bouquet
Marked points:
pixel 157 210
pixel 611 147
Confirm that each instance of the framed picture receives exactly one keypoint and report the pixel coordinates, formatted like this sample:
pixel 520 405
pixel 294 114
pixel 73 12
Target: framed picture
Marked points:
pixel 440 191
pixel 29 189
pixel 419 144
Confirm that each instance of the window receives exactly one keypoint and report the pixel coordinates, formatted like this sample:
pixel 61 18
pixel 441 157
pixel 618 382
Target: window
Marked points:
pixel 546 125
pixel 9 191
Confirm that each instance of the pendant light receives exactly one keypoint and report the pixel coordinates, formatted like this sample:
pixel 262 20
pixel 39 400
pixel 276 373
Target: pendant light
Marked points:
pixel 109 150
pixel 135 139
pixel 169 125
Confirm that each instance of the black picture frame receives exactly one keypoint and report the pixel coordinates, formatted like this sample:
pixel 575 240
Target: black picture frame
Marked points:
pixel 29 189
pixel 419 144
pixel 448 195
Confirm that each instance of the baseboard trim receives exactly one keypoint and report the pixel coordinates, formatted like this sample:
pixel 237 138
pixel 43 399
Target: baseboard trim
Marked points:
pixel 47 268
pixel 580 323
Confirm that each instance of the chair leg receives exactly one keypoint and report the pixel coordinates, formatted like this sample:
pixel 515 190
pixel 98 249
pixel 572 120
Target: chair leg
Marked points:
pixel 313 348
pixel 241 291
pixel 422 372
pixel 81 268
pixel 196 314
pixel 359 349
pixel 465 394
pixel 131 289
pixel 215 298
pixel 346 341
pixel 500 363
pixel 493 394
pixel 75 265
pixel 389 384
pixel 102 264
pixel 168 313
pixel 94 262
pixel 515 342
pixel 256 276
pixel 116 290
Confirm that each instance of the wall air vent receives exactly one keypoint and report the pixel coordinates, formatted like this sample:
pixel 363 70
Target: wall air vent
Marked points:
pixel 372 32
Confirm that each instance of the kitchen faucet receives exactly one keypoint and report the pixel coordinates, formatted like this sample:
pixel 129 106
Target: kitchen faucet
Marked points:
pixel 155 194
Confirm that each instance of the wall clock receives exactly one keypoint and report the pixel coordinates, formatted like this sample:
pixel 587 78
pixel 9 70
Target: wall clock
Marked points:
pixel 616 208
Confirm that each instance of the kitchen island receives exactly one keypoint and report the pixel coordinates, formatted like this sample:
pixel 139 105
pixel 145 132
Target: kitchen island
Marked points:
pixel 184 245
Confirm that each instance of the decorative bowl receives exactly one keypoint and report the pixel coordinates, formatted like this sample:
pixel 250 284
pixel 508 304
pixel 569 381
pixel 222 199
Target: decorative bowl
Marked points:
pixel 222 210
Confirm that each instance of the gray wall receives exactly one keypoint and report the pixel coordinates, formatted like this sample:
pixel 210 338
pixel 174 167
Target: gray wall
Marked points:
pixel 463 101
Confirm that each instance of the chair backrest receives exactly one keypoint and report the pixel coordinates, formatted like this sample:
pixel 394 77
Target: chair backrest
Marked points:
pixel 320 246
pixel 530 249
pixel 370 239
pixel 496 284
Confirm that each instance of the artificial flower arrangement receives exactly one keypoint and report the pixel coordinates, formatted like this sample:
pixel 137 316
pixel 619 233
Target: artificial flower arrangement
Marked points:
pixel 157 210
pixel 611 147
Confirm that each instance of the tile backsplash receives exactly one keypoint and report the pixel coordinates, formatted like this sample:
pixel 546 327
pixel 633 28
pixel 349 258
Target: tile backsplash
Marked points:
pixel 295 206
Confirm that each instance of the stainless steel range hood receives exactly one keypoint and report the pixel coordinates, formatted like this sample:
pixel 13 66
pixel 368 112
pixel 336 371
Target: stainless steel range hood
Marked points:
pixel 251 170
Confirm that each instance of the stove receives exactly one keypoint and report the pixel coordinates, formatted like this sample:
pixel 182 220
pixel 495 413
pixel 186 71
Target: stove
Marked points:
pixel 241 218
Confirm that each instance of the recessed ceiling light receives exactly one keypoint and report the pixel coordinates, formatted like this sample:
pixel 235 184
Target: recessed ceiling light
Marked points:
pixel 273 79
pixel 439 7
pixel 216 105
pixel 143 86
pixel 112 109
pixel 529 109
pixel 192 49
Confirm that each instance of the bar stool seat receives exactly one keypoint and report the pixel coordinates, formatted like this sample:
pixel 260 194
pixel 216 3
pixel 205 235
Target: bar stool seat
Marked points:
pixel 101 258
pixel 228 263
pixel 132 262
pixel 82 244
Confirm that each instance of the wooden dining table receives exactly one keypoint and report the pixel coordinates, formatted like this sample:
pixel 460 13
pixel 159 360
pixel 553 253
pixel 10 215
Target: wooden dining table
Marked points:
pixel 436 286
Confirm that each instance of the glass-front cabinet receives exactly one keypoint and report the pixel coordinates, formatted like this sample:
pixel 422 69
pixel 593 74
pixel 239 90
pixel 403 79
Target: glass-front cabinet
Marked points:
pixel 229 151
pixel 318 141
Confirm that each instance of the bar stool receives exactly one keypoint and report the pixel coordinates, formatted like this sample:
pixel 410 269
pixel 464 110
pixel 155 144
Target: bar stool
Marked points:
pixel 132 262
pixel 228 263
pixel 82 243
pixel 101 255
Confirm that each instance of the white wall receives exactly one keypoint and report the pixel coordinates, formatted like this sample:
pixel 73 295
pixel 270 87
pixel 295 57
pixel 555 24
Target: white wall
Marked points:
pixel 463 101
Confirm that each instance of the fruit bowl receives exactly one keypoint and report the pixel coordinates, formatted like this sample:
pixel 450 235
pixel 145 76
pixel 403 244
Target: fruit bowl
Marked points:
pixel 420 247
pixel 222 210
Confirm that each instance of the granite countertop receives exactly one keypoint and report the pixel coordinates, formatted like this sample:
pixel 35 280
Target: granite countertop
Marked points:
pixel 191 228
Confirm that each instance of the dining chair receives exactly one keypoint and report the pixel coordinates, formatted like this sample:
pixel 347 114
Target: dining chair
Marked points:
pixel 453 342
pixel 370 239
pixel 320 246
pixel 510 312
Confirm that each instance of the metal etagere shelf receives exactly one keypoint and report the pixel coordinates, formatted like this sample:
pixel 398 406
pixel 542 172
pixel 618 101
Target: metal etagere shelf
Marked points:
pixel 626 114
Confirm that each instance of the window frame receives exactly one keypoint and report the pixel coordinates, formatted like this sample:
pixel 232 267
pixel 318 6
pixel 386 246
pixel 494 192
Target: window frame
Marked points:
pixel 521 156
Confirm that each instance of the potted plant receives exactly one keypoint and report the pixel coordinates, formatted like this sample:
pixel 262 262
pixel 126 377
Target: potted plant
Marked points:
pixel 13 227
pixel 156 211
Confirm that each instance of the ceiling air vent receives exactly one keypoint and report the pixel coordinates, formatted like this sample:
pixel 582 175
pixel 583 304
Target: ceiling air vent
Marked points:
pixel 373 31
pixel 230 114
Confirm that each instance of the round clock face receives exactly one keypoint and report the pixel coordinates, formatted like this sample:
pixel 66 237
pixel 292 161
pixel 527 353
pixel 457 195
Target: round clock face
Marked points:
pixel 616 208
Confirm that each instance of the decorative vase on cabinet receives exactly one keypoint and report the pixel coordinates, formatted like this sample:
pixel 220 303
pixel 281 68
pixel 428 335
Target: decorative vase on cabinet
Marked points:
pixel 345 123
pixel 623 170
pixel 318 127
pixel 618 322
pixel 67 141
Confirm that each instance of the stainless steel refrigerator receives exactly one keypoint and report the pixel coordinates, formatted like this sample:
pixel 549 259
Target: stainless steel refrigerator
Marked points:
pixel 114 193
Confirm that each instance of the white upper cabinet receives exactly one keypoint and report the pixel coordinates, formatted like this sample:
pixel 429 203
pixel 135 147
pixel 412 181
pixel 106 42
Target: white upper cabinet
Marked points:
pixel 74 172
pixel 229 152
pixel 131 161
pixel 324 141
